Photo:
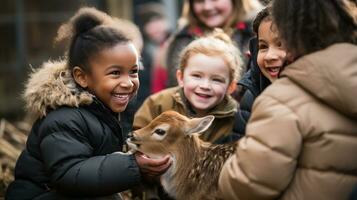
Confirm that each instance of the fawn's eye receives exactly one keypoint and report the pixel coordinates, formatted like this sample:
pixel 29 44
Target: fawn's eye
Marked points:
pixel 160 131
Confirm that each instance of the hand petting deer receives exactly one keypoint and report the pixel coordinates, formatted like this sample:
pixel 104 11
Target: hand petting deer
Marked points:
pixel 196 164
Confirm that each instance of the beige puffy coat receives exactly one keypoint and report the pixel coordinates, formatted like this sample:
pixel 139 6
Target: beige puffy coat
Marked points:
pixel 301 140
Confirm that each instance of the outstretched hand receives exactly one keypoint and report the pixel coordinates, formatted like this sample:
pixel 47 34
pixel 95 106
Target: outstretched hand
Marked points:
pixel 150 168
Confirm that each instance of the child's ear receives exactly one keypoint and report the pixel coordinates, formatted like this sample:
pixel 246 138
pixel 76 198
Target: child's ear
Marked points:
pixel 179 77
pixel 232 87
pixel 80 76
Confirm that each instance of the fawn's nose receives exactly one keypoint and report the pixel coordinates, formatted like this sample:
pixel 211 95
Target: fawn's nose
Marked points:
pixel 131 136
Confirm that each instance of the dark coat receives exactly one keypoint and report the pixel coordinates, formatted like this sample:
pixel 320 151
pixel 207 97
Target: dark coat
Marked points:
pixel 72 151
pixel 253 83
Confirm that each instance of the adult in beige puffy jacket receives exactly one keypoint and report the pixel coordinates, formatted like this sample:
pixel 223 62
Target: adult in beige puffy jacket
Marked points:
pixel 301 140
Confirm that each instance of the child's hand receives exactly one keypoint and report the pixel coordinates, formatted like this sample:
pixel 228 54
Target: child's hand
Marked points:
pixel 151 168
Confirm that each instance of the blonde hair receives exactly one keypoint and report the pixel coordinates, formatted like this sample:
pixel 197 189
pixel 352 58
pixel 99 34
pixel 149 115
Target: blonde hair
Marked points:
pixel 243 10
pixel 216 43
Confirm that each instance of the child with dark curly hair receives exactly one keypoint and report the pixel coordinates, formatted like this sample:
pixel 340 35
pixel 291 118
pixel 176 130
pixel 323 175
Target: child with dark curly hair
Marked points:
pixel 301 139
pixel 268 57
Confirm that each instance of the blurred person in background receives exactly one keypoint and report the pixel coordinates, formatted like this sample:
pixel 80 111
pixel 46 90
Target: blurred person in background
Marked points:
pixel 155 30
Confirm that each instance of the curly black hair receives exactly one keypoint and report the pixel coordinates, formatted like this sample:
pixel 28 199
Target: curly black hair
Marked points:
pixel 311 25
pixel 263 15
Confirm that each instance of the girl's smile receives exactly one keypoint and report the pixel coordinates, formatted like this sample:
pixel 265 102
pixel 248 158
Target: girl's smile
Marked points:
pixel 121 99
pixel 273 71
pixel 213 13
pixel 204 81
pixel 114 77
pixel 271 52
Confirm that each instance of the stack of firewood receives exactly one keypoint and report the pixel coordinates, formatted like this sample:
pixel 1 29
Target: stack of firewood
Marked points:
pixel 12 142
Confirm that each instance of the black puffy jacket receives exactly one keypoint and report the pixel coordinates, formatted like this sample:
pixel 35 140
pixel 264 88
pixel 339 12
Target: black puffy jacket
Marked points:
pixel 71 151
pixel 253 82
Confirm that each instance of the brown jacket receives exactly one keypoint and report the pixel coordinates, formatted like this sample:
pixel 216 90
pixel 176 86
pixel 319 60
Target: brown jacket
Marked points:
pixel 301 140
pixel 173 99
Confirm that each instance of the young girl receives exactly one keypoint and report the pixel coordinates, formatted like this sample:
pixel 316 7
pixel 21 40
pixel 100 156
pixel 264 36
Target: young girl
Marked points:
pixel 207 75
pixel 200 17
pixel 301 139
pixel 73 148
pixel 268 56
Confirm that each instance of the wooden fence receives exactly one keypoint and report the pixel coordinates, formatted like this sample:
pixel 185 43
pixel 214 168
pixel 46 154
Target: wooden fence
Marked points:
pixel 12 142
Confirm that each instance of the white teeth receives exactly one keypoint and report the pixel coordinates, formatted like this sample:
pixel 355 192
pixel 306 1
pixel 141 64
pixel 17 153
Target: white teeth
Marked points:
pixel 274 69
pixel 121 95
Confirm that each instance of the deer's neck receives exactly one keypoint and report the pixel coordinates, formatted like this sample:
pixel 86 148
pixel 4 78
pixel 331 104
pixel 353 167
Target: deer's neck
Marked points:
pixel 196 166
pixel 183 161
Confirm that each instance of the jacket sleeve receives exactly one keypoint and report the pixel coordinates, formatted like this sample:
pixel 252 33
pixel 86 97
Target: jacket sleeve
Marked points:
pixel 265 159
pixel 75 169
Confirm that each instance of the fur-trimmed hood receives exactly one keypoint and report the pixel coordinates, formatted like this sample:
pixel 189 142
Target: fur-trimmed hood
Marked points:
pixel 51 86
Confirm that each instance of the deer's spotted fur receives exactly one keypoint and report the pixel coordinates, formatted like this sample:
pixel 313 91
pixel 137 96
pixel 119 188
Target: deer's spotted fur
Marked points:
pixel 197 164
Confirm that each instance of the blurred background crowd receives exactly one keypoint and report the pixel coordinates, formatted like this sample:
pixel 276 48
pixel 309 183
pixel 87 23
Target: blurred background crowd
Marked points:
pixel 28 28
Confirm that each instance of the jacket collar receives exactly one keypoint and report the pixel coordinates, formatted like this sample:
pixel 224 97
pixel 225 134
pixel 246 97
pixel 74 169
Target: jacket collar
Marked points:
pixel 228 107
pixel 253 79
pixel 52 86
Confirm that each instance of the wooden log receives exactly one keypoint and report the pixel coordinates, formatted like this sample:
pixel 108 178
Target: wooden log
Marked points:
pixel 8 150
pixel 14 133
pixel 12 141
pixel 2 127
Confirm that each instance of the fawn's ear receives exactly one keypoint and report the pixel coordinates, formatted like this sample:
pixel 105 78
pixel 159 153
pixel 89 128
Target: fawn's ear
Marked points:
pixel 199 125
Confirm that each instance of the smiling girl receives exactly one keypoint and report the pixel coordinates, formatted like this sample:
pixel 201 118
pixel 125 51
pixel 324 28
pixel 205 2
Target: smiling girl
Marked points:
pixel 301 139
pixel 271 53
pixel 209 68
pixel 72 150
pixel 268 57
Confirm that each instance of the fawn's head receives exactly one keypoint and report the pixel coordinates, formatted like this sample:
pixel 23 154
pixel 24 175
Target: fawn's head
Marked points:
pixel 166 133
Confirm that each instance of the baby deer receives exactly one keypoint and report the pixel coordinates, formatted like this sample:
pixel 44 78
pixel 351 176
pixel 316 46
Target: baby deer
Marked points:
pixel 196 164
